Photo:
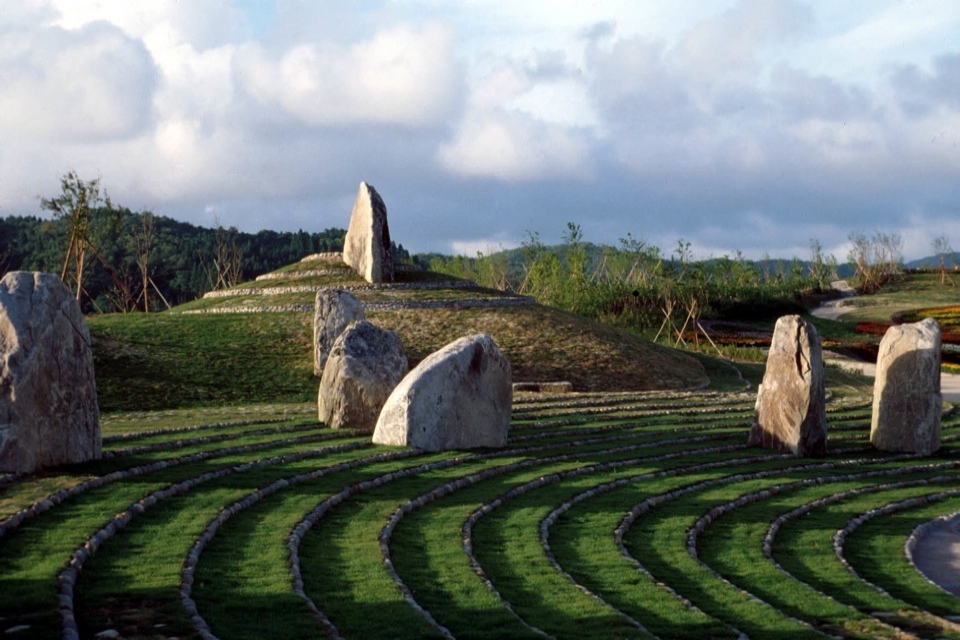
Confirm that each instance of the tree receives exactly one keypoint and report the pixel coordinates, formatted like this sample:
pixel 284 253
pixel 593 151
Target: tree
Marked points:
pixel 942 248
pixel 87 213
pixel 877 259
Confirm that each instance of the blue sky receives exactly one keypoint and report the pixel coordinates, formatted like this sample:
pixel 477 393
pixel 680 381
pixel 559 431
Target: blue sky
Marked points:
pixel 737 125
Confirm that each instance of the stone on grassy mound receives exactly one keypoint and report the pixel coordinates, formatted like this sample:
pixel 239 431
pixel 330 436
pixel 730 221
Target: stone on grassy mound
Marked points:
pixel 366 246
pixel 365 364
pixel 906 392
pixel 48 396
pixel 790 413
pixel 457 398
pixel 334 311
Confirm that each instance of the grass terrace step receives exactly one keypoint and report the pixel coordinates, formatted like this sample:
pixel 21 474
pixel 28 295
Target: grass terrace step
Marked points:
pixel 607 515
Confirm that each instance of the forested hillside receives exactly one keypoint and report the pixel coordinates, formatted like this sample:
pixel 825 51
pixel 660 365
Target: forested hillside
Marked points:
pixel 181 260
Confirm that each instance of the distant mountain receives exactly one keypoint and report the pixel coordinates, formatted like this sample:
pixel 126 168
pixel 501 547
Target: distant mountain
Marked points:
pixel 933 262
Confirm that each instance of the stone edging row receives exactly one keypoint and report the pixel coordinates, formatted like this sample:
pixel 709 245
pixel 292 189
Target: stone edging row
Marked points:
pixel 707 519
pixel 839 539
pixel 802 510
pixel 310 520
pixel 188 572
pixel 648 504
pixel 467 529
pixel 68 576
pixel 176 444
pixel 386 286
pixel 134 435
pixel 48 502
pixel 283 275
pixel 379 306
pixel 916 537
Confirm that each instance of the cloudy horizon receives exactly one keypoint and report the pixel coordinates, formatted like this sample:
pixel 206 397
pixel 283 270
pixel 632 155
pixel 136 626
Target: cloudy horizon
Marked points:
pixel 737 125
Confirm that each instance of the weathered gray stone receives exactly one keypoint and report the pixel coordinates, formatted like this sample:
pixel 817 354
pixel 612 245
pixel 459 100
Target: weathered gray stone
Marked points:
pixel 334 311
pixel 366 246
pixel 457 398
pixel 906 392
pixel 790 413
pixel 48 396
pixel 366 363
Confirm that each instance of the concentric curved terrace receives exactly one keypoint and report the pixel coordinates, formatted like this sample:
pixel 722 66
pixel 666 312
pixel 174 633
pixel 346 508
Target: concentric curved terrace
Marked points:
pixel 629 515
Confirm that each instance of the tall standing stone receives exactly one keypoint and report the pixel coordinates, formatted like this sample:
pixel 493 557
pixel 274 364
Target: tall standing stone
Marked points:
pixel 790 413
pixel 366 247
pixel 48 396
pixel 365 365
pixel 334 311
pixel 457 398
pixel 906 392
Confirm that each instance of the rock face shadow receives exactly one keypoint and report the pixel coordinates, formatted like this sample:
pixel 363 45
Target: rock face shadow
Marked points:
pixel 907 402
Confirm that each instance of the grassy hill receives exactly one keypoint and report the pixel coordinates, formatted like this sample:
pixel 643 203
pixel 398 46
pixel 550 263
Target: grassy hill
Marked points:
pixel 228 349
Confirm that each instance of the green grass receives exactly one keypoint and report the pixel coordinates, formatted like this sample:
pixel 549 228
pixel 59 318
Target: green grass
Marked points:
pixel 165 360
pixel 913 291
pixel 235 393
pixel 562 447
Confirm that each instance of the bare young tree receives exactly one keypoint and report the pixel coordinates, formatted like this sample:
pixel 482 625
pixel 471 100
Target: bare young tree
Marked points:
pixel 143 238
pixel 79 204
pixel 942 249
pixel 877 259
pixel 227 257
pixel 88 214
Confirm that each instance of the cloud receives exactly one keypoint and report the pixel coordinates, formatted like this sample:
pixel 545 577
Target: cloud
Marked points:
pixel 90 84
pixel 727 46
pixel 919 92
pixel 401 75
pixel 515 147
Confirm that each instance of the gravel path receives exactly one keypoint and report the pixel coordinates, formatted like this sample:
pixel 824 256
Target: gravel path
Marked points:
pixel 832 310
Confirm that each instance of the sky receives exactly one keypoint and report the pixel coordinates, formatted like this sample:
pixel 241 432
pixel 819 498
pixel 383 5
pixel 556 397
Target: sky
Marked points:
pixel 751 126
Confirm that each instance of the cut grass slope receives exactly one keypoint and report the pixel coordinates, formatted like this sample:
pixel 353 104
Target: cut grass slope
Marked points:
pixel 174 359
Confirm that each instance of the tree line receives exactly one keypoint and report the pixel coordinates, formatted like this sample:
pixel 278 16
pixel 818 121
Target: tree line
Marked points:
pixel 115 259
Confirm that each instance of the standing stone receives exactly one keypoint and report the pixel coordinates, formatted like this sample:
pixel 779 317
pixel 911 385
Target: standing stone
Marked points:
pixel 906 392
pixel 334 311
pixel 457 398
pixel 790 413
pixel 366 247
pixel 365 365
pixel 48 396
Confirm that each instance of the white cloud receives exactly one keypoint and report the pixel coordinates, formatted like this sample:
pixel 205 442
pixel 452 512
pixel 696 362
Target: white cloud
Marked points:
pixel 513 147
pixel 93 83
pixel 486 246
pixel 402 75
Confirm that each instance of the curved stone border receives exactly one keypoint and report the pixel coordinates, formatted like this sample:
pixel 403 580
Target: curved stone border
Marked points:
pixel 802 510
pixel 840 537
pixel 467 481
pixel 547 523
pixel 331 256
pixel 283 275
pixel 316 514
pixel 648 504
pixel 386 286
pixel 45 504
pixel 188 571
pixel 67 578
pixel 189 442
pixel 916 538
pixel 445 303
pixel 694 532
pixel 120 437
